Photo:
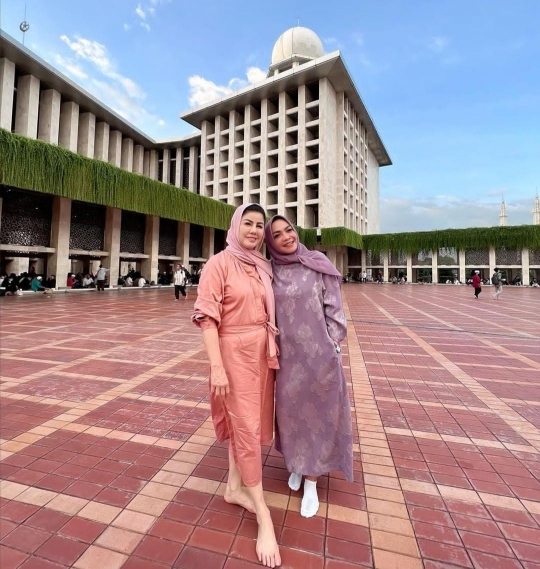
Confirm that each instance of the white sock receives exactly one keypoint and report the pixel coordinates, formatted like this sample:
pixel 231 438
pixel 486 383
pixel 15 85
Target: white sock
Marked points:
pixel 310 501
pixel 294 481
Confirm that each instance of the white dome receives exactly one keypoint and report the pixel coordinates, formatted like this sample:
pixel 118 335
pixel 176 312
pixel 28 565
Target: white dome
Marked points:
pixel 297 41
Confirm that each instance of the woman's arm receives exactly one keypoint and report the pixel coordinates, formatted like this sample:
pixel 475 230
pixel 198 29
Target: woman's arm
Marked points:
pixel 219 383
pixel 336 322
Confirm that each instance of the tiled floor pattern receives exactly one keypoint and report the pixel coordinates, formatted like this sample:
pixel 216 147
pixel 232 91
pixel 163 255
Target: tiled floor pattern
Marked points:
pixel 108 457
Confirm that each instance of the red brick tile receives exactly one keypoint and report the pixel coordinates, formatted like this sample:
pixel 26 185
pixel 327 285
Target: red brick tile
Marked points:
pixel 11 559
pixel 193 498
pixel 297 539
pixel 458 507
pixel 83 530
pixel 168 529
pixel 348 551
pixel 486 543
pixel 430 516
pixel 435 532
pixel 183 513
pixel 159 550
pixel 17 511
pixel 193 558
pixel 424 500
pixel 485 561
pixel 26 539
pixel 6 527
pixel 84 490
pixel 220 521
pixel 217 541
pixel 511 516
pixel 520 533
pixel 315 524
pixel 114 497
pixel 292 558
pixel 54 483
pixel 62 550
pixel 478 525
pixel 244 548
pixel 348 532
pixel 40 563
pixel 140 563
pixel 128 483
pixel 219 504
pixel 48 520
pixel 445 553
pixel 526 551
pixel 233 563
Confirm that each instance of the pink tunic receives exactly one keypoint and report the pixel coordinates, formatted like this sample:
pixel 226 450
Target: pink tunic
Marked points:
pixel 231 296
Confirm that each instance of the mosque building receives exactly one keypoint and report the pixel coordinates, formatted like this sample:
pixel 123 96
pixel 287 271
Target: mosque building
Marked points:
pixel 80 186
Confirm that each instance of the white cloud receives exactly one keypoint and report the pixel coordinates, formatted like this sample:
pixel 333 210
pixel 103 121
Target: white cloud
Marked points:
pixel 202 91
pixel 127 27
pixel 119 92
pixel 70 67
pixel 145 26
pixel 438 43
pixel 140 12
pixel 161 122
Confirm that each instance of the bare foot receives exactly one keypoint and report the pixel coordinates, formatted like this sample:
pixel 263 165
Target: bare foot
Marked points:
pixel 267 547
pixel 240 498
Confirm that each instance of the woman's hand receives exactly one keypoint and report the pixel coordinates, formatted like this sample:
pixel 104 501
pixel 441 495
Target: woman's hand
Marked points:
pixel 219 383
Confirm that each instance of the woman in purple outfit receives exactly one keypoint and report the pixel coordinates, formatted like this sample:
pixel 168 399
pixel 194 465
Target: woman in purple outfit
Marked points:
pixel 313 413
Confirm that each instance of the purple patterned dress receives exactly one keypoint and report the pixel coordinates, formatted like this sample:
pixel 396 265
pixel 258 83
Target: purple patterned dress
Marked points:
pixel 313 416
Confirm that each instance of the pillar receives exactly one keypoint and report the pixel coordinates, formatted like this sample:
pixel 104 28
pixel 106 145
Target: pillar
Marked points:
pixel 166 166
pixel 409 268
pixel 194 167
pixel 69 126
pixel 27 110
pixel 138 159
pixel 87 135
pixel 146 163
pixel 7 90
pixel 115 148
pixel 462 271
pixel 435 266
pixel 525 279
pixel 364 261
pixel 153 165
pixel 149 266
pixel 127 154
pixel 59 263
pixel 182 242
pixel 49 116
pixel 386 274
pixel 113 228
pixel 179 183
pixel 208 242
pixel 101 146
pixel 492 260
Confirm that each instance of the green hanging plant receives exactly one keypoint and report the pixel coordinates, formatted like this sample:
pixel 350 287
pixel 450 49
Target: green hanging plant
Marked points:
pixel 336 236
pixel 35 165
pixel 509 237
pixel 308 237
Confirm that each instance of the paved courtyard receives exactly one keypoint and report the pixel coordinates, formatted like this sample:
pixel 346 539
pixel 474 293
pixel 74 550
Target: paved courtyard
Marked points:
pixel 108 457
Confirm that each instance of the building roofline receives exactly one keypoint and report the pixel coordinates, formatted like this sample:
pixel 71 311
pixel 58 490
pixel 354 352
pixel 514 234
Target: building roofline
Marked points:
pixel 28 62
pixel 330 65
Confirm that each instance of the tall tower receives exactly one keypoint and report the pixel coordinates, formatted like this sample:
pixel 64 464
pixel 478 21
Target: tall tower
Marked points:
pixel 503 218
pixel 536 210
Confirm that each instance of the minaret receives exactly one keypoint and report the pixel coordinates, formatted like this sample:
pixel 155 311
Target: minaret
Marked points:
pixel 503 218
pixel 536 210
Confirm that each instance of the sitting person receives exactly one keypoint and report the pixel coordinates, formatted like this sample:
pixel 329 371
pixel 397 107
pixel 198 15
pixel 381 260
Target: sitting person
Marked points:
pixel 24 282
pixel 141 282
pixel 128 281
pixel 36 285
pixel 50 282
pixel 70 280
pixel 87 281
pixel 9 284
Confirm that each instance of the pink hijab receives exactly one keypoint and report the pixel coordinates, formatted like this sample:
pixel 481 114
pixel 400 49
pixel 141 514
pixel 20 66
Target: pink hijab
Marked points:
pixel 264 268
pixel 314 260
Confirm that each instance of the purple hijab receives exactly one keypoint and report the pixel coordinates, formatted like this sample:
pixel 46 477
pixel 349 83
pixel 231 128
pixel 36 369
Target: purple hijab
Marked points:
pixel 314 260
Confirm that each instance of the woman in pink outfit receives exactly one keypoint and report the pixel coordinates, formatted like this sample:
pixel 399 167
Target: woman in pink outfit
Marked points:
pixel 235 310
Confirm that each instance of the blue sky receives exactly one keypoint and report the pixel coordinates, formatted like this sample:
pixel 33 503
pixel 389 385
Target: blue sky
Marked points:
pixel 452 85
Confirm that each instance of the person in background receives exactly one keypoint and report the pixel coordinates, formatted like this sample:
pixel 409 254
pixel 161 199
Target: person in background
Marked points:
pixel 180 282
pixel 101 275
pixel 70 280
pixel 141 282
pixel 36 285
pixel 87 281
pixel 496 281
pixel 477 284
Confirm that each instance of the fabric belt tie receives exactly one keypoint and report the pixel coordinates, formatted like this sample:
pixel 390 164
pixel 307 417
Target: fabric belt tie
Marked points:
pixel 272 350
